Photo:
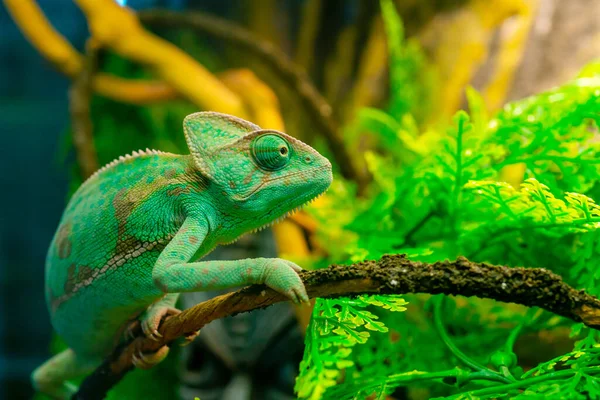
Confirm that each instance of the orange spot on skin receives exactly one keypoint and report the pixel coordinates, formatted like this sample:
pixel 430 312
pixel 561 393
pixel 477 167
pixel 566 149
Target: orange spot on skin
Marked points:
pixel 178 191
pixel 63 242
pixel 193 239
pixel 205 270
pixel 70 282
pixel 248 177
pixel 162 286
pixel 84 273
pixel 170 173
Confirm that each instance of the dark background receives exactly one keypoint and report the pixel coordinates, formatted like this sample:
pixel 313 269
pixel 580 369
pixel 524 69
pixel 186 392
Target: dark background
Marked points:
pixel 34 117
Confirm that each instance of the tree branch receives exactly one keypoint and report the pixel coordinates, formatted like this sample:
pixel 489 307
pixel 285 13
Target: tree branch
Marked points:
pixel 55 48
pixel 392 274
pixel 118 29
pixel 80 95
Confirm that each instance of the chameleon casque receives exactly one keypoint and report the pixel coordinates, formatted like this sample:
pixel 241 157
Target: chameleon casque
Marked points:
pixel 130 237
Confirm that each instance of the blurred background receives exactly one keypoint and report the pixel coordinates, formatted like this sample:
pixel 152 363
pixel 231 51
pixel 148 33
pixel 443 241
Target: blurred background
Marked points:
pixel 306 66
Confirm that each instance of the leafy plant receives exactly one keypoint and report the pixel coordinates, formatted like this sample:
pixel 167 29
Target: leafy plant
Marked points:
pixel 411 77
pixel 516 188
pixel 337 325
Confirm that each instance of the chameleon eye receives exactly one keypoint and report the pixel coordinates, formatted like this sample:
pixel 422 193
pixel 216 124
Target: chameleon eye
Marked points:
pixel 271 152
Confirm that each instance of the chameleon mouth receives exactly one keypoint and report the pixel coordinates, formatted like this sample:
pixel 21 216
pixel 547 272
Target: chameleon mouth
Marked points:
pixel 287 214
pixel 297 208
pixel 279 219
pixel 257 188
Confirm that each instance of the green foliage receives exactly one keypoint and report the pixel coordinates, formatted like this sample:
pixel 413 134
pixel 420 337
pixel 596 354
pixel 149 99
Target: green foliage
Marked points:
pixel 517 188
pixel 336 326
pixel 557 147
pixel 532 209
pixel 575 375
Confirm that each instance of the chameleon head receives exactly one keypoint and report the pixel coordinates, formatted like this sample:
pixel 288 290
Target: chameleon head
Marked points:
pixel 254 172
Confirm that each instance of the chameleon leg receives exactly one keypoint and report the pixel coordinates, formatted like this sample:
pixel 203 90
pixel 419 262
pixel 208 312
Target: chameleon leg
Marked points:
pixel 172 274
pixel 51 377
pixel 280 275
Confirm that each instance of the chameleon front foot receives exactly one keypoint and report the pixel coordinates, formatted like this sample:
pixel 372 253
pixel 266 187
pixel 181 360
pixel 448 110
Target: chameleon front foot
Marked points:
pixel 147 361
pixel 282 276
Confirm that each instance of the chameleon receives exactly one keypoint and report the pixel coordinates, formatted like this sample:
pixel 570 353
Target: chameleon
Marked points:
pixel 132 236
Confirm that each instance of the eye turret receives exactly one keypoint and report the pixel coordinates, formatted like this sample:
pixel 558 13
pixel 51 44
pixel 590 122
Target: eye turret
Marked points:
pixel 271 152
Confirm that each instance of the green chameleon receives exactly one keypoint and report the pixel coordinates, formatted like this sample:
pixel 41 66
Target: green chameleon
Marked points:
pixel 130 237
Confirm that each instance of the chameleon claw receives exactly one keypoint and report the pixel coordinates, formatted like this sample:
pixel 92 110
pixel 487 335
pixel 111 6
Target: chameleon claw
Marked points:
pixel 146 361
pixel 151 333
pixel 129 334
pixel 152 321
pixel 154 335
pixel 143 357
pixel 295 267
pixel 135 361
pixel 293 296
pixel 131 329
pixel 304 298
pixel 298 295
pixel 189 338
pixel 140 360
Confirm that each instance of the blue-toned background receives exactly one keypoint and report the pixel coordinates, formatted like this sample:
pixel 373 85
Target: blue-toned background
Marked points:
pixel 33 182
pixel 33 117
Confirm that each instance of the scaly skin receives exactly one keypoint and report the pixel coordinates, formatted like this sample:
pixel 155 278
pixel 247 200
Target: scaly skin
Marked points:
pixel 130 237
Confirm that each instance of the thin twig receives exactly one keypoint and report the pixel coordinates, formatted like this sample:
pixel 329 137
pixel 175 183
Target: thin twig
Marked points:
pixel 409 236
pixel 394 274
pixel 316 105
pixel 80 95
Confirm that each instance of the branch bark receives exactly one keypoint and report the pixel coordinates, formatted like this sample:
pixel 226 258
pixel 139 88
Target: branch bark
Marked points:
pixel 392 274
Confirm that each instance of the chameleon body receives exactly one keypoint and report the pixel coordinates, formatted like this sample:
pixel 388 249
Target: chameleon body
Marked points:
pixel 131 236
